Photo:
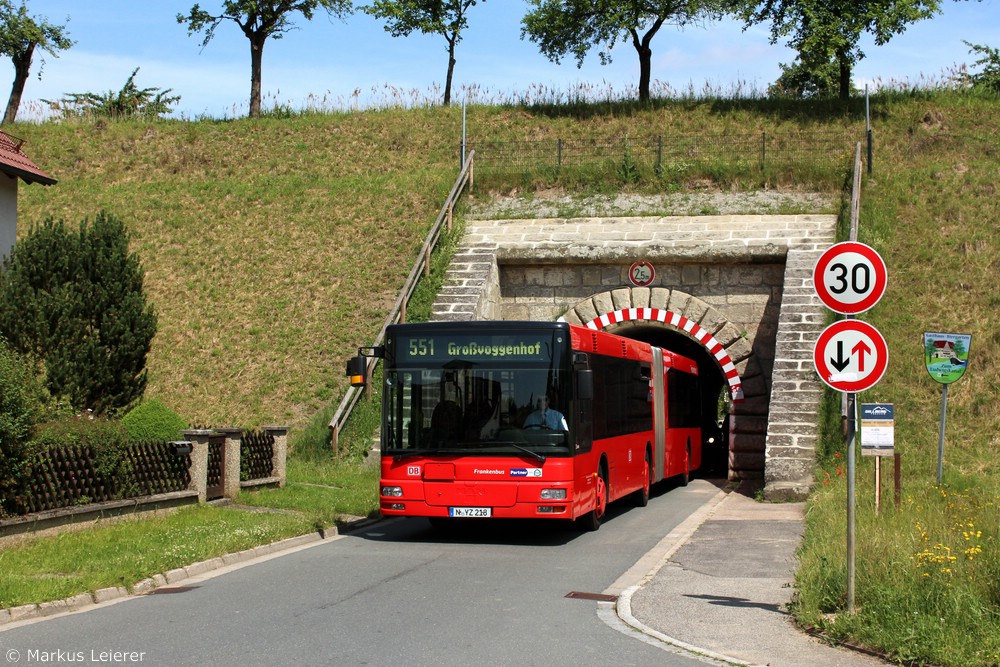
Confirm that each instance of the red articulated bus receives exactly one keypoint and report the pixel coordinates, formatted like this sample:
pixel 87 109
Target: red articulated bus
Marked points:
pixel 516 419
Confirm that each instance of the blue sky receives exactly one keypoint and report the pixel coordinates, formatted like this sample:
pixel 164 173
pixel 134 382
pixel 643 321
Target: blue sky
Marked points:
pixel 325 61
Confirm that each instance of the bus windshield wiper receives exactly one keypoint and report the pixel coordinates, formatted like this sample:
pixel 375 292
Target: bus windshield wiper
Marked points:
pixel 407 454
pixel 540 457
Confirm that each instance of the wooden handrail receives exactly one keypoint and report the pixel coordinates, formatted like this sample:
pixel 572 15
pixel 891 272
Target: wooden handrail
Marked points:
pixel 856 194
pixel 398 312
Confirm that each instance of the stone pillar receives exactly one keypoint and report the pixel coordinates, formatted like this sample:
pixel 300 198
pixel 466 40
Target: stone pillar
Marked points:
pixel 279 453
pixel 231 470
pixel 199 461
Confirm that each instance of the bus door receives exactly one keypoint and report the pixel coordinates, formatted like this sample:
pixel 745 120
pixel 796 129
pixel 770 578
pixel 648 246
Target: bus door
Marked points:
pixel 659 415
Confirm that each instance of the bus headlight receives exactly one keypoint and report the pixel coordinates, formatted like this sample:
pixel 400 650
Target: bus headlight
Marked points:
pixel 553 494
pixel 394 491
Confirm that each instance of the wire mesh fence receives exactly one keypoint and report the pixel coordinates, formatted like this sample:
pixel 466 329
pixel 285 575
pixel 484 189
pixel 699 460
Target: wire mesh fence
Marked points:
pixel 632 158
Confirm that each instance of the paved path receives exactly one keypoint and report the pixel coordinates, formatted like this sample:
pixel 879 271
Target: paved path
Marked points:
pixel 724 588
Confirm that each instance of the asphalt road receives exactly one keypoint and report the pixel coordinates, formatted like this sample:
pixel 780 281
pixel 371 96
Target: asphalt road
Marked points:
pixel 392 593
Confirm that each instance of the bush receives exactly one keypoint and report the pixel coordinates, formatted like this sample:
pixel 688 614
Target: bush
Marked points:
pixel 152 421
pixel 22 401
pixel 106 439
pixel 130 101
pixel 75 301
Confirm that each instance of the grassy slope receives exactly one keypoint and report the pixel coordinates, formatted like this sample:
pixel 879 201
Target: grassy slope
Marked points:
pixel 315 219
pixel 927 575
pixel 270 247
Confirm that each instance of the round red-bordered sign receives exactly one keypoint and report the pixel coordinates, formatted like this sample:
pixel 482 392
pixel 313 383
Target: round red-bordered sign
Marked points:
pixel 851 356
pixel 641 274
pixel 850 277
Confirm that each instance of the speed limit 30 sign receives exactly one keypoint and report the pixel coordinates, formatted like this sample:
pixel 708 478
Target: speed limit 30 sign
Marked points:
pixel 850 277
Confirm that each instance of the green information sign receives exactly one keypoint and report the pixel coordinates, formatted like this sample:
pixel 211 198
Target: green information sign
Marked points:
pixel 946 355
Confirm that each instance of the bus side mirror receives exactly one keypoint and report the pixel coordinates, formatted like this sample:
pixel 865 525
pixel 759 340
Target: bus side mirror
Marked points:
pixel 585 384
pixel 357 370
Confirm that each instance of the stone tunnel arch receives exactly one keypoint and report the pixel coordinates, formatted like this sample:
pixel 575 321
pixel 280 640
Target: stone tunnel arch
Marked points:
pixel 679 321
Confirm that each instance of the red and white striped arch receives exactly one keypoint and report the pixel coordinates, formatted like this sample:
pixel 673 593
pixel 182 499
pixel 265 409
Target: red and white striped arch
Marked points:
pixel 700 334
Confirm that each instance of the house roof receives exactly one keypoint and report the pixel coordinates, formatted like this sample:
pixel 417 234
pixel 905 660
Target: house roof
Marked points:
pixel 15 163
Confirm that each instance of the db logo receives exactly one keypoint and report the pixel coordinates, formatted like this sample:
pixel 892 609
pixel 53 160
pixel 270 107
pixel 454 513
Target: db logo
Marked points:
pixel 413 471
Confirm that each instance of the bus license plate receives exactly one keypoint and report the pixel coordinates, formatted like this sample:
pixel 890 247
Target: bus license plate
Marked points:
pixel 470 512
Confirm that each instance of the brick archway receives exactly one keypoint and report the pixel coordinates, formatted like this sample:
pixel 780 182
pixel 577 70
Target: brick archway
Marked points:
pixel 677 311
pixel 678 322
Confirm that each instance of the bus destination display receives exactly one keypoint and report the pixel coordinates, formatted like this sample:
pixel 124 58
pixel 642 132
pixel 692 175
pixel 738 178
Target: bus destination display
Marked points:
pixel 472 348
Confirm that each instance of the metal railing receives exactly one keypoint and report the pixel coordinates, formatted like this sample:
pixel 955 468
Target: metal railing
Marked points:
pixel 398 312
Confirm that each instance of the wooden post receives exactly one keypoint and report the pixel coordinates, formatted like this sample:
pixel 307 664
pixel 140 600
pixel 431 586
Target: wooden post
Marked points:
pixel 897 478
pixel 279 454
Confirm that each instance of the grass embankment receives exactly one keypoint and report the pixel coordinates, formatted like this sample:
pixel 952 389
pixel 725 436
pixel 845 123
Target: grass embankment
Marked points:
pixel 315 219
pixel 928 575
pixel 270 247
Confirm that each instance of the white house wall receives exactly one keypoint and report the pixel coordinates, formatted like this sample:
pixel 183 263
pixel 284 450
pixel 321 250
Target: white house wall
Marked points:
pixel 8 214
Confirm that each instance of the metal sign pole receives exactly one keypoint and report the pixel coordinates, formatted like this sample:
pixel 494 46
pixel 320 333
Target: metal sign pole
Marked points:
pixel 944 413
pixel 852 428
pixel 878 483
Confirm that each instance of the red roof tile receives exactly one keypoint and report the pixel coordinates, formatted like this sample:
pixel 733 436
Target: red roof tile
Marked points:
pixel 16 163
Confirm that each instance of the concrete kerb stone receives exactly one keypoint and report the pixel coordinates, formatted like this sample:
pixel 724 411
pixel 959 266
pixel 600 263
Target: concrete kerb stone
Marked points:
pixel 149 585
pixel 23 612
pixel 110 593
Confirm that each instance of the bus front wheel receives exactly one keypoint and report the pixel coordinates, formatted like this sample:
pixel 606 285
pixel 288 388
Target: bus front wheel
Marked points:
pixel 642 495
pixel 686 477
pixel 591 521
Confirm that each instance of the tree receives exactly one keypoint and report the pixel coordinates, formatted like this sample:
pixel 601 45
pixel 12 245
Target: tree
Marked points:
pixel 801 79
pixel 20 35
pixel 75 301
pixel 989 78
pixel 562 27
pixel 431 17
pixel 825 30
pixel 258 19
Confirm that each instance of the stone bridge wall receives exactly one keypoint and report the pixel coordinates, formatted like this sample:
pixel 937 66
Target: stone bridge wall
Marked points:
pixel 744 279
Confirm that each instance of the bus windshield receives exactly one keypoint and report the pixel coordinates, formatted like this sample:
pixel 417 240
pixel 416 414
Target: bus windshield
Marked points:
pixel 479 396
